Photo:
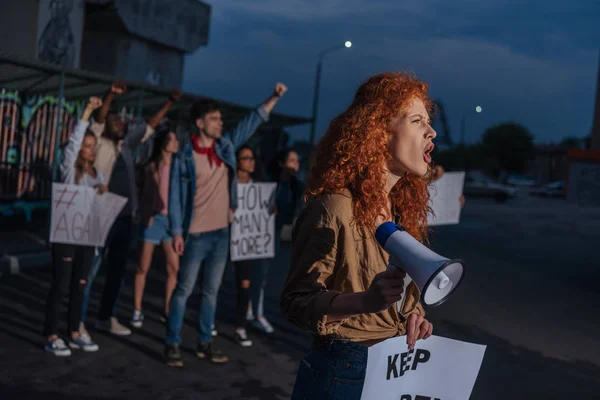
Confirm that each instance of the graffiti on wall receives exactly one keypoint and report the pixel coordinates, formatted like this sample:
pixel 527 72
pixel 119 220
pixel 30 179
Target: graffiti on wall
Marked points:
pixel 32 131
pixel 60 29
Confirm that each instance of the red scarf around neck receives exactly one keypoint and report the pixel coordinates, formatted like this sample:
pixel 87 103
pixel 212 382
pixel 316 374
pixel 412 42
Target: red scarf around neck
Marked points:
pixel 209 151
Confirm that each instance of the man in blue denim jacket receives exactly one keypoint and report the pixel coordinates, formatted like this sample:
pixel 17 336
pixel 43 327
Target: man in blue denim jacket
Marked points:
pixel 199 211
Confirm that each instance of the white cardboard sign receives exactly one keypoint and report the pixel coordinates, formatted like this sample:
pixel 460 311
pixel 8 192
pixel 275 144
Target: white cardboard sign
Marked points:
pixel 82 216
pixel 445 199
pixel 437 368
pixel 253 226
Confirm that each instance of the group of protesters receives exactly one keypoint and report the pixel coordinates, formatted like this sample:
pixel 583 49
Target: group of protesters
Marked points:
pixel 182 198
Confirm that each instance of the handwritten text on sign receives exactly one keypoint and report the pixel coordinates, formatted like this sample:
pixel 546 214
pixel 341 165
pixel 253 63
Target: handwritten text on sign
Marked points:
pixel 253 227
pixel 81 216
pixel 437 368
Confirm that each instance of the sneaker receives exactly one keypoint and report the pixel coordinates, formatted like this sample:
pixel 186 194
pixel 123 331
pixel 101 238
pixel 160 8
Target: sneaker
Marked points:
pixel 58 347
pixel 206 351
pixel 173 355
pixel 261 324
pixel 83 332
pixel 214 331
pixel 138 319
pixel 113 326
pixel 241 336
pixel 84 343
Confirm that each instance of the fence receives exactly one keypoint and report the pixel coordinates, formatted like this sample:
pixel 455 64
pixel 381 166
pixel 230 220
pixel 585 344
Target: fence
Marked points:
pixel 32 129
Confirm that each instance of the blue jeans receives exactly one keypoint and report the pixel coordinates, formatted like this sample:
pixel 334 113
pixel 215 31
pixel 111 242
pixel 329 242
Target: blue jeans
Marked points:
pixel 334 371
pixel 209 250
pixel 118 243
pixel 95 267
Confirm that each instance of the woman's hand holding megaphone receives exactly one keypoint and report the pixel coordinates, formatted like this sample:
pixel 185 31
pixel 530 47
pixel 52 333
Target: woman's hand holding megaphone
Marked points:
pixel 386 288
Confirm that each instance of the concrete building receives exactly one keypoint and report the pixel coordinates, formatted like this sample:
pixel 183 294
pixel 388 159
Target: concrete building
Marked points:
pixel 138 40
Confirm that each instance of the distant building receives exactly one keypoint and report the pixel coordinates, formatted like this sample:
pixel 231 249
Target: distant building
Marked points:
pixel 136 40
pixel 549 164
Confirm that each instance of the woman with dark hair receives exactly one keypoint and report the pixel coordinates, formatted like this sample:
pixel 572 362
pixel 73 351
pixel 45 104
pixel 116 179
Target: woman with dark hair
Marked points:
pixel 153 188
pixel 70 262
pixel 371 166
pixel 246 164
pixel 282 169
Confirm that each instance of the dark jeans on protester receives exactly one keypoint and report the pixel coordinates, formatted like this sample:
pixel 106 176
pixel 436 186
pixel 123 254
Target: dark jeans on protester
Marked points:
pixel 70 265
pixel 244 270
pixel 334 371
pixel 118 243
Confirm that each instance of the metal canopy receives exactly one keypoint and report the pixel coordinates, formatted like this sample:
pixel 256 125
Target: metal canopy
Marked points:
pixel 35 77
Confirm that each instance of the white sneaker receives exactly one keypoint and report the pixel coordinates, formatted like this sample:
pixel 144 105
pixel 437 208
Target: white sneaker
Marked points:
pixel 58 348
pixel 84 343
pixel 241 336
pixel 83 332
pixel 113 326
pixel 138 319
pixel 261 324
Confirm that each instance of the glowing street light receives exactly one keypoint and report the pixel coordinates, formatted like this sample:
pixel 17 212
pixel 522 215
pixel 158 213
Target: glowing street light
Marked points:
pixel 322 54
pixel 463 124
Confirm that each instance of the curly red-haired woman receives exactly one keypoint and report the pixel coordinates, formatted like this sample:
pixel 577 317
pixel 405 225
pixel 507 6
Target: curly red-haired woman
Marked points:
pixel 371 166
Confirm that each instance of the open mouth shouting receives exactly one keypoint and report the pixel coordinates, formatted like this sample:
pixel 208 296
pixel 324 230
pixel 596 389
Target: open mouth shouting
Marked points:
pixel 427 153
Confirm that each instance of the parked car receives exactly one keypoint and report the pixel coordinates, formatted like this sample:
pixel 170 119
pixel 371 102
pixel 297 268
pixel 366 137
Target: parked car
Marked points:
pixel 554 189
pixel 520 181
pixel 478 185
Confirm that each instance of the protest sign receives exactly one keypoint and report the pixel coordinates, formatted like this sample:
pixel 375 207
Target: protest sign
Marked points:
pixel 437 368
pixel 445 199
pixel 253 227
pixel 82 216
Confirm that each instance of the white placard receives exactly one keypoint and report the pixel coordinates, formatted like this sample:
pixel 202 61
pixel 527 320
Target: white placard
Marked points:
pixel 445 199
pixel 437 368
pixel 253 226
pixel 82 216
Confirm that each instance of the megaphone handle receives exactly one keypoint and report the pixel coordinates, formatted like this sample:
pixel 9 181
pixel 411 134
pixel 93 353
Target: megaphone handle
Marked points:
pixel 407 281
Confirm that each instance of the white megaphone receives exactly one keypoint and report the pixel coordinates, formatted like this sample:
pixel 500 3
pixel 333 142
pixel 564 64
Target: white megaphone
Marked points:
pixel 436 277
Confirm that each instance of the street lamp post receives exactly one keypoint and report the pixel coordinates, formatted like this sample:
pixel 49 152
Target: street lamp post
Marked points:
pixel 463 124
pixel 315 107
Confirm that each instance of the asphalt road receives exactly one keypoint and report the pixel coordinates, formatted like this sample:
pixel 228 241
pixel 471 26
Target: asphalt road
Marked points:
pixel 531 295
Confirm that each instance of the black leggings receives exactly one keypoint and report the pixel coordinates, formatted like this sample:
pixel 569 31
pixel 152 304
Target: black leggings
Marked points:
pixel 71 265
pixel 243 272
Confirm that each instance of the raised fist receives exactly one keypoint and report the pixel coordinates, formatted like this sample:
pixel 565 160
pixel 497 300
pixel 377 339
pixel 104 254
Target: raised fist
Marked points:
pixel 176 94
pixel 280 89
pixel 118 87
pixel 94 102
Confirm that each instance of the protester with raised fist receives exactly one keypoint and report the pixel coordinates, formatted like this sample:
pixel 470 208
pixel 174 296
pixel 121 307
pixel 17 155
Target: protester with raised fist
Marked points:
pixel 371 166
pixel 199 211
pixel 114 157
pixel 70 262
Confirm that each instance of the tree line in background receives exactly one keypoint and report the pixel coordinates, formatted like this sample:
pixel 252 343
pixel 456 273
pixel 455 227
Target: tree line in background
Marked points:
pixel 504 148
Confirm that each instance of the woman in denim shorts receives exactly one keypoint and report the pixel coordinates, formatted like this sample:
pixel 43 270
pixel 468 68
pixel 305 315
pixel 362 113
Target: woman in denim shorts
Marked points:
pixel 153 188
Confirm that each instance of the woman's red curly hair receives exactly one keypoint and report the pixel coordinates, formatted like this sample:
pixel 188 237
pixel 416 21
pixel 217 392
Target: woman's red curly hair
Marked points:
pixel 354 154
